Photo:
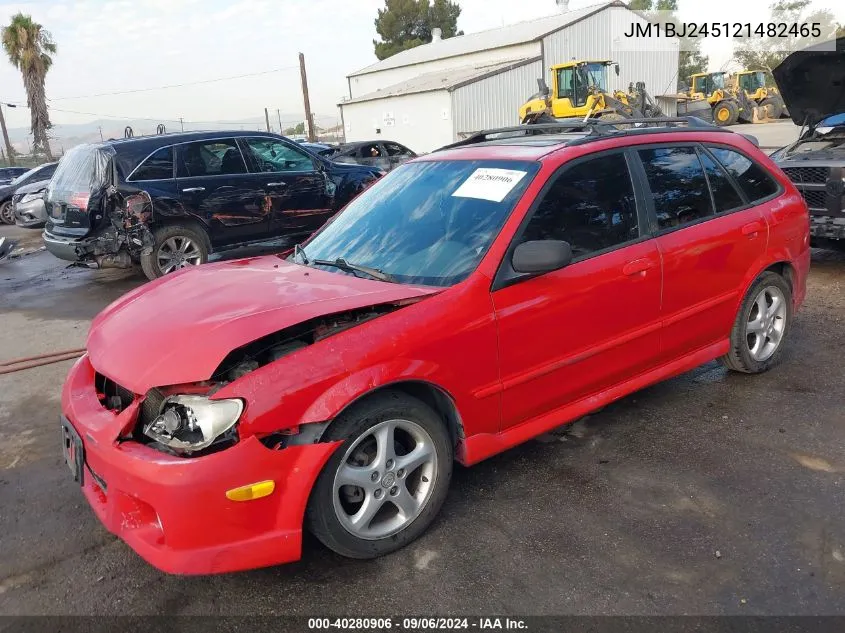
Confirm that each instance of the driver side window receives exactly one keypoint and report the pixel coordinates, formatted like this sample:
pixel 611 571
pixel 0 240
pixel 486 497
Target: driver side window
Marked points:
pixel 272 156
pixel 590 205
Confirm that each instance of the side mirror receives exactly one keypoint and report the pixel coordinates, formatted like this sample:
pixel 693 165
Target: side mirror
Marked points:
pixel 616 69
pixel 541 256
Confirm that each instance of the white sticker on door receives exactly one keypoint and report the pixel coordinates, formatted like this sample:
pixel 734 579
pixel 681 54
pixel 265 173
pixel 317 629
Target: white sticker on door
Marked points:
pixel 489 184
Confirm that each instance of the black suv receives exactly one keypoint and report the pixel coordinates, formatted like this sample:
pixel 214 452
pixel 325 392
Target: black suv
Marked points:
pixel 167 201
pixel 811 82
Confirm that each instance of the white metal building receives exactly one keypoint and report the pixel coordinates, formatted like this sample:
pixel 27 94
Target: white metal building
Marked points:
pixel 430 95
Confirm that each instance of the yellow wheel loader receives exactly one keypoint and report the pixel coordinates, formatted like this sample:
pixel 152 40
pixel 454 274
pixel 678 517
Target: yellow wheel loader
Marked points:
pixel 727 107
pixel 759 87
pixel 579 90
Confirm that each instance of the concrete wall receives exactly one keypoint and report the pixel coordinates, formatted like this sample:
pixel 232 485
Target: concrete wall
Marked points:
pixel 422 121
pixel 365 84
pixel 494 101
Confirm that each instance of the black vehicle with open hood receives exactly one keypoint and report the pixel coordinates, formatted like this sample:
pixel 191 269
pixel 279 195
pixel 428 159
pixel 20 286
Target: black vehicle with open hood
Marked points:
pixel 812 83
pixel 168 201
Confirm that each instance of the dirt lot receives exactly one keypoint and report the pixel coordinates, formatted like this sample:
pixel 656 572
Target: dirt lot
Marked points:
pixel 711 493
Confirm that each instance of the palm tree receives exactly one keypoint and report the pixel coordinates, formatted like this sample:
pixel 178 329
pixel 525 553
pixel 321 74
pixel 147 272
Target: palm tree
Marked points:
pixel 27 44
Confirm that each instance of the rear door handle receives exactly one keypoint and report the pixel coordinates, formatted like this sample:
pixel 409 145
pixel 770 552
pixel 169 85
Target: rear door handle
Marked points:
pixel 193 189
pixel 638 266
pixel 752 229
pixel 277 184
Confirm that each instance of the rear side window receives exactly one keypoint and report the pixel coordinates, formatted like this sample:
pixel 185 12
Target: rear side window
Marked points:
pixel 394 149
pixel 210 158
pixel 677 183
pixel 159 166
pixel 753 179
pixel 590 205
pixel 725 195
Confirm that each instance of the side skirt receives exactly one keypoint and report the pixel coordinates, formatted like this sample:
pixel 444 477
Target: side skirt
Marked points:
pixel 483 445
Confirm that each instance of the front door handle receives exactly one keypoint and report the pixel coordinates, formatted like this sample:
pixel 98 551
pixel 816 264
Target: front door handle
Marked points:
pixel 277 184
pixel 752 229
pixel 193 189
pixel 638 266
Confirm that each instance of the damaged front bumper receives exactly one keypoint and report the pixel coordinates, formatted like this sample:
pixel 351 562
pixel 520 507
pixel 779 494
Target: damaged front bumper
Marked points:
pixel 173 511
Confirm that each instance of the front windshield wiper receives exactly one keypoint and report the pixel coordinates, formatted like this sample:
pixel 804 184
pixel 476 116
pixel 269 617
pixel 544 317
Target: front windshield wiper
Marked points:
pixel 298 250
pixel 341 263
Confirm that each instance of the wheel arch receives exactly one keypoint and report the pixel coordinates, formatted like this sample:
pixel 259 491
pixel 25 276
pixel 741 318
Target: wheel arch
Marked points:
pixel 188 221
pixel 436 397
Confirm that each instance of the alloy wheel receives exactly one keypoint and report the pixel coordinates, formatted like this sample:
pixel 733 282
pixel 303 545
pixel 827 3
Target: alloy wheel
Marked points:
pixel 178 252
pixel 385 479
pixel 766 323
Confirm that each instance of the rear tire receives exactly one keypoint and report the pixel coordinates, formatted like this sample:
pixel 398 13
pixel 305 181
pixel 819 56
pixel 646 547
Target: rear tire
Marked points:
pixel 761 326
pixel 174 247
pixel 725 113
pixel 7 213
pixel 386 506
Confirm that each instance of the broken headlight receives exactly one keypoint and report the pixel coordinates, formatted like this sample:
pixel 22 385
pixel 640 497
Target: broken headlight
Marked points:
pixel 190 423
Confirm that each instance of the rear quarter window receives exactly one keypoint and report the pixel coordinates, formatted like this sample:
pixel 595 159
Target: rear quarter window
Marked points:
pixel 753 179
pixel 158 166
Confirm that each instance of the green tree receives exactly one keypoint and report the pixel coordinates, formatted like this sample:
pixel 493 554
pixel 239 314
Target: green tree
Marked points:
pixel 766 53
pixel 404 24
pixel 690 59
pixel 299 128
pixel 29 45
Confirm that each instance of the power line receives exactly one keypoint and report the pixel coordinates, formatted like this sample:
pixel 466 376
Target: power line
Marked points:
pixel 182 85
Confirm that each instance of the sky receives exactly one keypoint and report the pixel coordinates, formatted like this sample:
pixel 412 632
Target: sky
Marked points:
pixel 123 45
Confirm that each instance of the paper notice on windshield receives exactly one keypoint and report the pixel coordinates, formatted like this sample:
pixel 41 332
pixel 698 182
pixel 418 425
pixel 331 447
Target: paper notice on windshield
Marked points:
pixel 489 184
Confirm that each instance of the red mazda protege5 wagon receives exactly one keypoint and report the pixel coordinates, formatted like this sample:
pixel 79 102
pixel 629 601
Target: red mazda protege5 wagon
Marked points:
pixel 466 302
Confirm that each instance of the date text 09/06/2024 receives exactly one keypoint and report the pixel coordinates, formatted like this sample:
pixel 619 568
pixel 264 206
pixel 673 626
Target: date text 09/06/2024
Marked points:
pixel 418 623
pixel 724 29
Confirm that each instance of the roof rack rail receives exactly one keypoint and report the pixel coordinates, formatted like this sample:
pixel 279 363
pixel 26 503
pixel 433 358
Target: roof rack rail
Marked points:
pixel 596 127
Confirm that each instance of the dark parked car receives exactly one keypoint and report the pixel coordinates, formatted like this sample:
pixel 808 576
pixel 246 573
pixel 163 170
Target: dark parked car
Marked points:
pixel 42 172
pixel 811 84
pixel 167 201
pixel 382 154
pixel 8 174
pixel 321 149
pixel 28 205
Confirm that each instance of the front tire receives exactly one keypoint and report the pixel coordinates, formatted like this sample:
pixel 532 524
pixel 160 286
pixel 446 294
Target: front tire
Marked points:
pixel 761 326
pixel 725 113
pixel 174 247
pixel 7 213
pixel 774 107
pixel 385 484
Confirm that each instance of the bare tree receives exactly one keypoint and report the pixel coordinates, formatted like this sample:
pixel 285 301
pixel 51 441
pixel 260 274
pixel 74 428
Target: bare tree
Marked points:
pixel 28 45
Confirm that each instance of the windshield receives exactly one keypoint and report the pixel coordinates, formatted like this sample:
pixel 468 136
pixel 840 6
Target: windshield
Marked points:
pixel 426 223
pixel 718 80
pixel 25 175
pixel 595 75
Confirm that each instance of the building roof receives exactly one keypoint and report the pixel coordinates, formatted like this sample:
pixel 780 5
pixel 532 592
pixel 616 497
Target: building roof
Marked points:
pixel 511 35
pixel 448 79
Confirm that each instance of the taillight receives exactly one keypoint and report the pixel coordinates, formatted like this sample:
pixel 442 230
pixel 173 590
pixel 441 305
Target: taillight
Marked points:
pixel 79 200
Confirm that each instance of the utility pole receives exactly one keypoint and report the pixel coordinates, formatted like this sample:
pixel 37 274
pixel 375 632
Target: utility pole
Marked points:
pixel 100 128
pixel 278 114
pixel 182 124
pixel 309 117
pixel 267 119
pixel 9 151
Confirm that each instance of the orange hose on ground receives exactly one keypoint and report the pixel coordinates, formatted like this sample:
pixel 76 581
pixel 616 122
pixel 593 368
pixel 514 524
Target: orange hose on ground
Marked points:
pixel 39 363
pixel 16 361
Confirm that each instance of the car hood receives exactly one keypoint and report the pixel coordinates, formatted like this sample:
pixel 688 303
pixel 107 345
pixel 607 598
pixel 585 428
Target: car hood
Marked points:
pixel 33 187
pixel 178 329
pixel 812 82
